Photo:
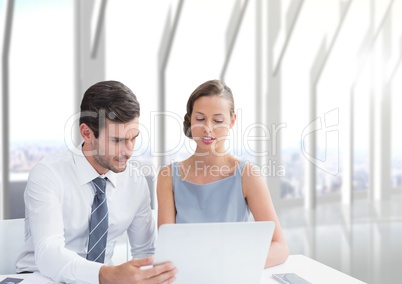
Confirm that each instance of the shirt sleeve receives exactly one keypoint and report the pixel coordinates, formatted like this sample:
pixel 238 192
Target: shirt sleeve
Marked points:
pixel 43 201
pixel 142 230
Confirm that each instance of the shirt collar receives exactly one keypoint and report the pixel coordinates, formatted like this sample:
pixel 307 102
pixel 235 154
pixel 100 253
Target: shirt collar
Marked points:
pixel 85 171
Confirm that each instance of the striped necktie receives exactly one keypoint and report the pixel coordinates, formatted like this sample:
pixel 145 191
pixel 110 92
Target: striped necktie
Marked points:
pixel 98 226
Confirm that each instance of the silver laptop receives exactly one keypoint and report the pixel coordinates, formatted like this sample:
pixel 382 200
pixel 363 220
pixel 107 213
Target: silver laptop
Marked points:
pixel 215 253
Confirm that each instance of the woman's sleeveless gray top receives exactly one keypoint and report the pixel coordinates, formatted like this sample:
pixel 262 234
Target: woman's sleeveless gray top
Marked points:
pixel 218 201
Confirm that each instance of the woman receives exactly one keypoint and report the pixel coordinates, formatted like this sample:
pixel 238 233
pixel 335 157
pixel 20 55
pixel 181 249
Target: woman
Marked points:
pixel 212 185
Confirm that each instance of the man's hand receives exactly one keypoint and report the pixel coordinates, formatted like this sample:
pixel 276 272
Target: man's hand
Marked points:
pixel 131 272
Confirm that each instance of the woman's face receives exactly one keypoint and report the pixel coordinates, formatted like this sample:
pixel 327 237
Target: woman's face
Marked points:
pixel 210 123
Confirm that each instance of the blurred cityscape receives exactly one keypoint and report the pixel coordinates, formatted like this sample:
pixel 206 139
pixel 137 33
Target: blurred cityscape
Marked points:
pixel 23 156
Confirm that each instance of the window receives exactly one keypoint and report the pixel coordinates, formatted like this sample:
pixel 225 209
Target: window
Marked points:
pixel 41 81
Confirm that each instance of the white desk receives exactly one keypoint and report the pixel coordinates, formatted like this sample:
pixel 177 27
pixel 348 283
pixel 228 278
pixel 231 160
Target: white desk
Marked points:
pixel 30 278
pixel 309 269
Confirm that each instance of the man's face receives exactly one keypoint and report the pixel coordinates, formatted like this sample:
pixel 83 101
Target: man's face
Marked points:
pixel 115 144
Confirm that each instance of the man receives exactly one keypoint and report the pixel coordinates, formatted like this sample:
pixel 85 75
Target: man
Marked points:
pixel 77 205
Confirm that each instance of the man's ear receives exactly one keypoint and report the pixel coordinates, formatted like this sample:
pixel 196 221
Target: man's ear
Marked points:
pixel 86 133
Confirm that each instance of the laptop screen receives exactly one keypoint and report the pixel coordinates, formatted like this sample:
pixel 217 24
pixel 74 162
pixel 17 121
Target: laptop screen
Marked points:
pixel 215 252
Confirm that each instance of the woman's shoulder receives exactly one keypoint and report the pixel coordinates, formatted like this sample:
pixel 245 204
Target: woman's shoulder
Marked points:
pixel 253 180
pixel 166 171
pixel 170 169
pixel 249 169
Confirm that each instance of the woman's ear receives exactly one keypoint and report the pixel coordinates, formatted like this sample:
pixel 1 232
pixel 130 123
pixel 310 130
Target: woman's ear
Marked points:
pixel 233 120
pixel 86 133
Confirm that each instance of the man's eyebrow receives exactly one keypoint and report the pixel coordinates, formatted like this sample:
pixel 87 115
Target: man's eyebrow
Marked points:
pixel 124 138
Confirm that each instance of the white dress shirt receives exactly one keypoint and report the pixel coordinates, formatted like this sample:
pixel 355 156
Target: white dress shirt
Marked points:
pixel 58 200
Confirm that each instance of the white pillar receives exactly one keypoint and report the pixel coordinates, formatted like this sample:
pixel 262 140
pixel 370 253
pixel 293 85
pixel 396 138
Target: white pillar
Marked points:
pixel 270 106
pixel 346 138
pixel 4 150
pixel 89 49
pixel 382 119
pixel 163 59
pixel 273 101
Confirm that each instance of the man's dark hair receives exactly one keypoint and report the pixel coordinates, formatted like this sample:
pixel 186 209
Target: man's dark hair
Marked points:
pixel 108 100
